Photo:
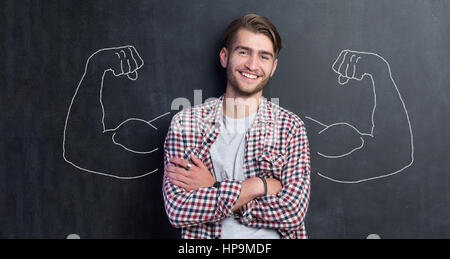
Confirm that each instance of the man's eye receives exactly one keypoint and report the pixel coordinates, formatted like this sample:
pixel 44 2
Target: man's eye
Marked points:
pixel 242 52
pixel 265 57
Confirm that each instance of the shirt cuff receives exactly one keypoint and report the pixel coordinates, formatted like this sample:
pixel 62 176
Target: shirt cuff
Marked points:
pixel 244 213
pixel 228 193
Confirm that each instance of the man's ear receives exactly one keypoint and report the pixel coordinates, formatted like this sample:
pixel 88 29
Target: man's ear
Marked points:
pixel 274 67
pixel 223 57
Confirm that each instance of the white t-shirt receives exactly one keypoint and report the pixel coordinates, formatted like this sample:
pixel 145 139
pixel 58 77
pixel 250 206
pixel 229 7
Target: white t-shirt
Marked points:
pixel 227 154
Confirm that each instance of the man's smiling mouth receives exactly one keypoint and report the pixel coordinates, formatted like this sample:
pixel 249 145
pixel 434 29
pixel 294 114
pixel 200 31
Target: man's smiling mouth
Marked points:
pixel 249 76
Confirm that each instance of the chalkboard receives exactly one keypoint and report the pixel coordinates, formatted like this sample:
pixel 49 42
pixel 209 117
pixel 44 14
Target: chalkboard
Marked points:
pixel 82 149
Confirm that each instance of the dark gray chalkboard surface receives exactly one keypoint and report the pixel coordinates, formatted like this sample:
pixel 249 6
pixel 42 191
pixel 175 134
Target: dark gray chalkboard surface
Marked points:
pixel 81 149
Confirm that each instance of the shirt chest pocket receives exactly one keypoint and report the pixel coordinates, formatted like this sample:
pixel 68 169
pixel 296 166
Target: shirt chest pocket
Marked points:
pixel 271 163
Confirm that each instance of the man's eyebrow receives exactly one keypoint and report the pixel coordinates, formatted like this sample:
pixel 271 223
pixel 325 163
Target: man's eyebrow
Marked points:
pixel 242 47
pixel 249 49
pixel 266 53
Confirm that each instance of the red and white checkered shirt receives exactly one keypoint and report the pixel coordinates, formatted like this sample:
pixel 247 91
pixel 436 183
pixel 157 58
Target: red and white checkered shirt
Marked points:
pixel 276 146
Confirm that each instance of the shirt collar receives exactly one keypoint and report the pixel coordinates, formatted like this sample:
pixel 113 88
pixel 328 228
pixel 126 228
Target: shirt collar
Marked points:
pixel 264 113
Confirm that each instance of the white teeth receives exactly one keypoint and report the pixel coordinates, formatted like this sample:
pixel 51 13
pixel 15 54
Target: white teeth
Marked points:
pixel 249 76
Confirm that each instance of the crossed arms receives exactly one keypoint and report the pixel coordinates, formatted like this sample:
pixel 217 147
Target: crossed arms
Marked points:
pixel 284 207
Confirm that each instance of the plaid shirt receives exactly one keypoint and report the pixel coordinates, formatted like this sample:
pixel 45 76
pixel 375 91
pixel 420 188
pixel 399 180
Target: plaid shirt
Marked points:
pixel 276 146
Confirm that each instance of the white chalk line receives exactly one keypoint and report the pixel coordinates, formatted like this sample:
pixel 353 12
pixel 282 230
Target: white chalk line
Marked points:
pixel 345 52
pixel 159 117
pixel 340 123
pixel 140 175
pixel 316 121
pixel 345 154
pixel 129 149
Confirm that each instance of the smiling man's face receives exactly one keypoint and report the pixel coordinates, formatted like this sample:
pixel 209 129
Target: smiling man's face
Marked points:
pixel 250 62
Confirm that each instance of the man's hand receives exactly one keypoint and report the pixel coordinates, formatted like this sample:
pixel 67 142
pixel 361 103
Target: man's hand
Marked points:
pixel 123 60
pixel 191 177
pixel 355 65
pixel 253 188
pixel 273 186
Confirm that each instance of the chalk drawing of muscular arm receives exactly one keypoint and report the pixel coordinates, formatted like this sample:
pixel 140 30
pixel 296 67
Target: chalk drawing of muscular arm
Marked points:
pixel 384 150
pixel 88 144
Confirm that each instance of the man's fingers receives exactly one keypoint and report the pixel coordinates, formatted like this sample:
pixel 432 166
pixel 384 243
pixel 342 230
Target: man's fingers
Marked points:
pixel 178 177
pixel 170 169
pixel 175 170
pixel 178 183
pixel 197 161
pixel 179 161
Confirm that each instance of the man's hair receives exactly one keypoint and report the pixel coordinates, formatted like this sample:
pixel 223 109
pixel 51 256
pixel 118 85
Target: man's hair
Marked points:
pixel 255 23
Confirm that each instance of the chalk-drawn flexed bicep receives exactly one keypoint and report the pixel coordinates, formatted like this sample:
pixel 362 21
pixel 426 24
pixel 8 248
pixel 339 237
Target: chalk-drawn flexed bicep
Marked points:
pixel 372 154
pixel 91 146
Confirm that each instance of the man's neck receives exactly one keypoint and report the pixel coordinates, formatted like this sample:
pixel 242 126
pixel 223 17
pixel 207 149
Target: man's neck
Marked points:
pixel 238 106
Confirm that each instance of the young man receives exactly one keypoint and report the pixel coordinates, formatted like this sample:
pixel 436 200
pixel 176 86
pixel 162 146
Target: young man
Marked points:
pixel 239 166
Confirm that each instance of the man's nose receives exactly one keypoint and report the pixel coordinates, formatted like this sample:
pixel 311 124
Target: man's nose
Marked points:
pixel 252 63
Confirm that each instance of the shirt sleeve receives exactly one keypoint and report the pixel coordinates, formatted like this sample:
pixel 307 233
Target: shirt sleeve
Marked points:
pixel 198 206
pixel 287 209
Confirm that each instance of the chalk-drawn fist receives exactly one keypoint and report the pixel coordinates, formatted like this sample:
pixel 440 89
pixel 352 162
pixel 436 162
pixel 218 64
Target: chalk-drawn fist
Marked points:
pixel 123 60
pixel 356 65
